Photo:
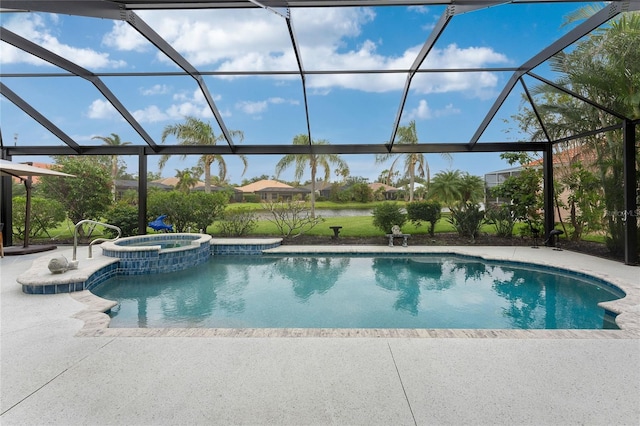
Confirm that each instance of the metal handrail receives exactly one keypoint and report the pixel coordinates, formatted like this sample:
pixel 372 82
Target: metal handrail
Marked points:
pixel 102 240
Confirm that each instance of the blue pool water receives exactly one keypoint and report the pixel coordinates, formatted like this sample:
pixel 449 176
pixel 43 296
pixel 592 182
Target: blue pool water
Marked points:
pixel 358 292
pixel 164 244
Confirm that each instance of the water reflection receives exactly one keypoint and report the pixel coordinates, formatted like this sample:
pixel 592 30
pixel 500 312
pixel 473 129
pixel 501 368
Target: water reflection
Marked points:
pixel 299 291
pixel 394 275
pixel 311 275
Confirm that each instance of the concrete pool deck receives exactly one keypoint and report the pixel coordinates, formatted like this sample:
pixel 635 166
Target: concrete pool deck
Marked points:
pixel 54 372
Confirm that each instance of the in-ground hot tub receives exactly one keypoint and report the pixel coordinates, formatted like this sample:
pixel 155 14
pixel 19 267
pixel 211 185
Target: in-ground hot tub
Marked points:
pixel 158 253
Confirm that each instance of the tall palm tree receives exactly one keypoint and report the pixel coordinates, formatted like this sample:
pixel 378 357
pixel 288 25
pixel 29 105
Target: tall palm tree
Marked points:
pixel 414 163
pixel 447 187
pixel 197 132
pixel 113 140
pixel 314 161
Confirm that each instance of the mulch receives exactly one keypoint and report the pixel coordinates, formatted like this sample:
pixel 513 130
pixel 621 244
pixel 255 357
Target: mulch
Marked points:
pixel 453 239
pixel 440 239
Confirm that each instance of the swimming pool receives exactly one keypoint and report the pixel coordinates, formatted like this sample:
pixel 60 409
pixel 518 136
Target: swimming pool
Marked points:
pixel 430 291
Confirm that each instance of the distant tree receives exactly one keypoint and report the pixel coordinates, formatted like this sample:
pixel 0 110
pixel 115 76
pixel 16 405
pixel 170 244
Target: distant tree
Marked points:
pixel 471 189
pixel 361 193
pixel 249 181
pixel 446 187
pixel 187 179
pixel 85 196
pixel 390 177
pixel 197 132
pixel 115 141
pixel 151 176
pixel 342 173
pixel 415 164
pixel 314 161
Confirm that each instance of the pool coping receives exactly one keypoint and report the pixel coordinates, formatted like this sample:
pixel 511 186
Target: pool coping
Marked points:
pixel 96 321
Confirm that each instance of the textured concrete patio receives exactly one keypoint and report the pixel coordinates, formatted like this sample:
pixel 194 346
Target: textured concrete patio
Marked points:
pixel 57 369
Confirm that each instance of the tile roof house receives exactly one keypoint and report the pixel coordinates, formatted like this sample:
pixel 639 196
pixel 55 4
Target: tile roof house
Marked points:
pixel 273 190
pixel 390 193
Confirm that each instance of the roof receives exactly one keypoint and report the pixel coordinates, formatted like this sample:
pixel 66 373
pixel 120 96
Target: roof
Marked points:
pixel 262 184
pixel 173 181
pixel 281 190
pixel 134 17
pixel 377 185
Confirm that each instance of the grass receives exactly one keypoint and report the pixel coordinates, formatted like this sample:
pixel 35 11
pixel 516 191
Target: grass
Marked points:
pixel 352 226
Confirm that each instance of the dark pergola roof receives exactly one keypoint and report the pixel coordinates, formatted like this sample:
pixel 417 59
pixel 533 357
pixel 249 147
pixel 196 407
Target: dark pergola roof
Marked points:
pixel 126 11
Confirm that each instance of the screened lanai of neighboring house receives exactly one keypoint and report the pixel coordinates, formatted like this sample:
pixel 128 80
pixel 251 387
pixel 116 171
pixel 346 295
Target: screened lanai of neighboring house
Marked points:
pixel 284 66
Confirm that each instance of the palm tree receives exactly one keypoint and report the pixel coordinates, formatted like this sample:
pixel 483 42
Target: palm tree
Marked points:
pixel 113 140
pixel 314 161
pixel 414 163
pixel 187 179
pixel 197 132
pixel 471 188
pixel 447 187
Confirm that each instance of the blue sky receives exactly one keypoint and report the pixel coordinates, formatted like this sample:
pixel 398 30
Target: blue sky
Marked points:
pixel 270 110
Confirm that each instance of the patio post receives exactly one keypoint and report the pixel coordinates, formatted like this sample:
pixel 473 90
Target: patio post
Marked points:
pixel 142 192
pixel 6 210
pixel 547 179
pixel 630 194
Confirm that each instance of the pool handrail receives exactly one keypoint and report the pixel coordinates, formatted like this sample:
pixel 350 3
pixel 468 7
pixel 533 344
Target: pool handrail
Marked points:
pixel 101 240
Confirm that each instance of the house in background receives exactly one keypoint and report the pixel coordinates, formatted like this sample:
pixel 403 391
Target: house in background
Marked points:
pixel 273 190
pixel 562 162
pixel 389 192
pixel 323 189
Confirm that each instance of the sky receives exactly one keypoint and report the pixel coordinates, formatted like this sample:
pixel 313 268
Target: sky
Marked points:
pixel 344 108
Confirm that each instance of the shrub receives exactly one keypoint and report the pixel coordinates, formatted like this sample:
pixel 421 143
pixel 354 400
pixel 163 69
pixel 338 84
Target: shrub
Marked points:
pixel 45 214
pixel 361 193
pixel 187 211
pixel 291 216
pixel 386 215
pixel 503 219
pixel 237 223
pixel 338 194
pixel 424 211
pixel 467 220
pixel 251 198
pixel 206 208
pixel 125 217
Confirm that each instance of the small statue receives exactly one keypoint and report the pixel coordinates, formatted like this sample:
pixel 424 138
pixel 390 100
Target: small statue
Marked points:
pixel 58 265
pixel 395 230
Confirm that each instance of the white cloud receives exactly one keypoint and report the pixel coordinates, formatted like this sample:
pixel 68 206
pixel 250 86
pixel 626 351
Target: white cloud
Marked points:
pixel 156 89
pixel 258 107
pixel 257 40
pixel 424 112
pixel 40 30
pixel 151 114
pixel 102 109
pixel 252 107
pixel 124 37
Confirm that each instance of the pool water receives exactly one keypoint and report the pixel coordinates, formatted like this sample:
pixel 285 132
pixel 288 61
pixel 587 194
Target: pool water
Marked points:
pixel 164 244
pixel 358 292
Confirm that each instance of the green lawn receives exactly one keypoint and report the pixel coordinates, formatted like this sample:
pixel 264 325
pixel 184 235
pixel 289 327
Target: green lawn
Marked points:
pixel 352 226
